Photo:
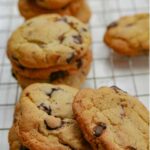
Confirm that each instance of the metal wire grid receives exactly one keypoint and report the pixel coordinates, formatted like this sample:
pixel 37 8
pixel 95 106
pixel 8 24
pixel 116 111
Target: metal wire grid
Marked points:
pixel 130 74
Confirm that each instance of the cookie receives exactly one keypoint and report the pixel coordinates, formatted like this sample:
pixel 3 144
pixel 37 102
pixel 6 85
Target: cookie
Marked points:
pixel 46 119
pixel 49 40
pixel 111 119
pixel 60 77
pixel 53 4
pixel 129 35
pixel 29 9
pixel 46 73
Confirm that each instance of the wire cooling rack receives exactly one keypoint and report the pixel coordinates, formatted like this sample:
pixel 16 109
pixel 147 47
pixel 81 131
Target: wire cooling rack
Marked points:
pixel 130 74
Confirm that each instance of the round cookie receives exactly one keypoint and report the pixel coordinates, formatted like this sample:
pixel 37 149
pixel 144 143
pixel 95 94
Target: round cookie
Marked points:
pixel 129 35
pixel 46 72
pixel 49 40
pixel 46 119
pixel 111 119
pixel 74 80
pixel 30 9
pixel 53 4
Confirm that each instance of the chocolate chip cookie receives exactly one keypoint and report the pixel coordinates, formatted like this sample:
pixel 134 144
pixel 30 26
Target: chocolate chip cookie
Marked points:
pixel 112 119
pixel 46 120
pixel 59 77
pixel 129 35
pixel 49 40
pixel 72 68
pixel 53 4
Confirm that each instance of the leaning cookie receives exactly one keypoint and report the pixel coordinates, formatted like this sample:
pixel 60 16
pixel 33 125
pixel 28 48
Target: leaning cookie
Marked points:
pixel 46 119
pixel 49 40
pixel 129 35
pixel 111 119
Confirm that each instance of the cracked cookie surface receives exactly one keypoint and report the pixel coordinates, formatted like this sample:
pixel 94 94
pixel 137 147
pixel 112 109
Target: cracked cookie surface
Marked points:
pixel 129 35
pixel 46 120
pixel 49 40
pixel 111 119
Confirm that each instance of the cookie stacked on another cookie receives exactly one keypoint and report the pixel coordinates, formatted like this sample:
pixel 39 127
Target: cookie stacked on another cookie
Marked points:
pixel 76 8
pixel 44 120
pixel 51 48
pixel 111 119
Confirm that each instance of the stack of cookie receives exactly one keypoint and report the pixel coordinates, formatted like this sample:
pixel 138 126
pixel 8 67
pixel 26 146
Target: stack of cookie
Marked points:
pixel 76 8
pixel 44 120
pixel 52 49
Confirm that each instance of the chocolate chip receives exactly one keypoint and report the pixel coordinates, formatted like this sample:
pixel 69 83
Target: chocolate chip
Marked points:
pixel 49 128
pixel 113 24
pixel 49 94
pixel 13 74
pixel 130 148
pixel 45 108
pixel 77 39
pixel 21 67
pixel 57 75
pixel 61 38
pixel 84 30
pixel 70 58
pixel 79 63
pixel 23 148
pixel 27 94
pixel 99 129
pixel 116 89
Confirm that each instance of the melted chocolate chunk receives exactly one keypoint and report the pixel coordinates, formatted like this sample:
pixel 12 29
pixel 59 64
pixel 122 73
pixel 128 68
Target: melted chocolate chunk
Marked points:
pixel 61 38
pixel 77 39
pixel 49 128
pixel 130 148
pixel 23 148
pixel 79 63
pixel 112 25
pixel 99 129
pixel 70 58
pixel 57 75
pixel 51 92
pixel 45 108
